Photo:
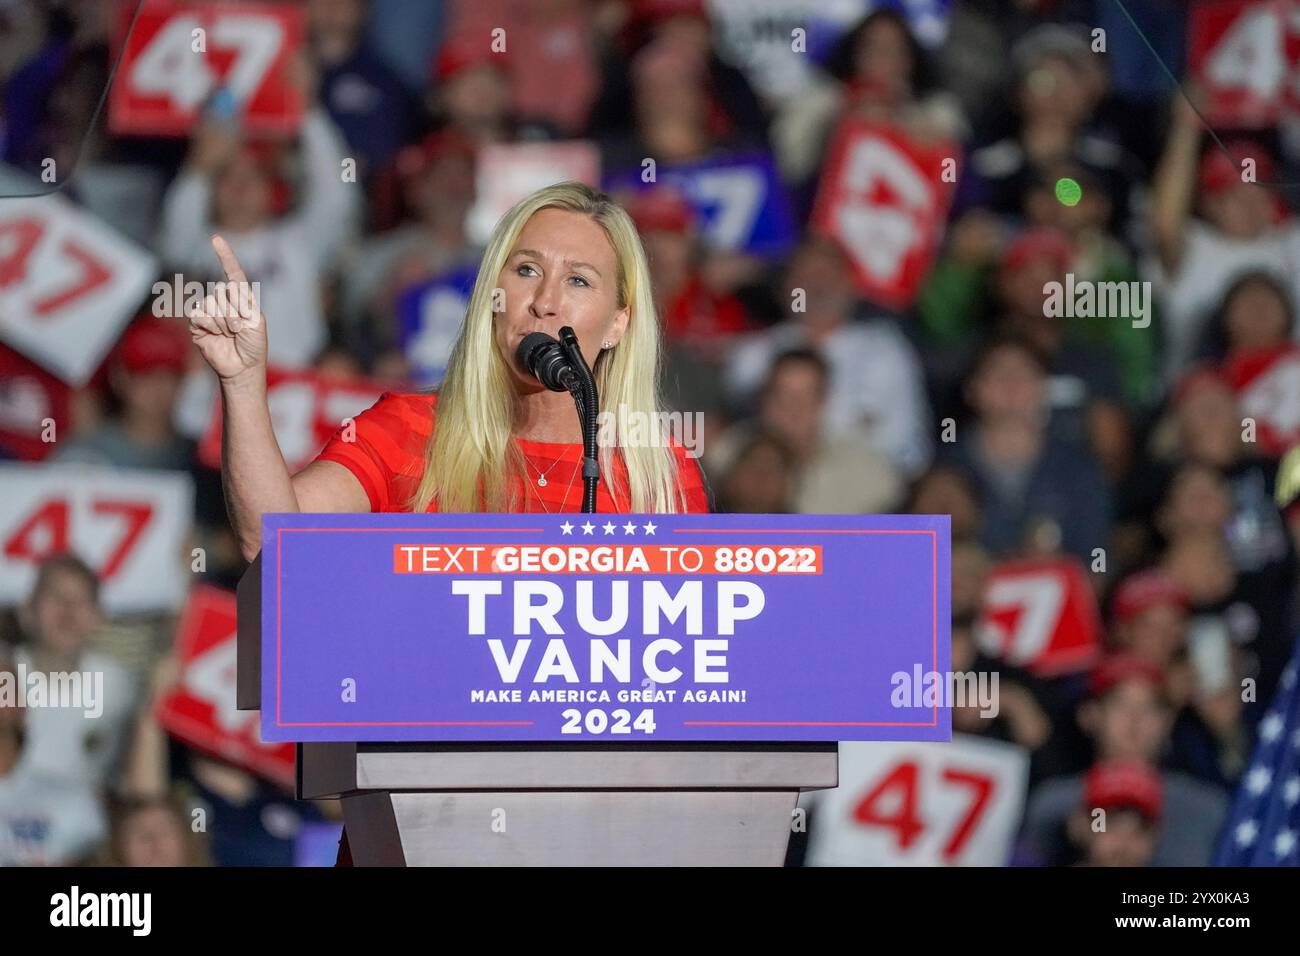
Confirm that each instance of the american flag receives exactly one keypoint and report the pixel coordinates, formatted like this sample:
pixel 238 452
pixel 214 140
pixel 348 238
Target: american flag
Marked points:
pixel 1263 828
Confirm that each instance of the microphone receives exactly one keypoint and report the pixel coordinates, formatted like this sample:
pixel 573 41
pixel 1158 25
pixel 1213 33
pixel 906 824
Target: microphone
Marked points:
pixel 543 358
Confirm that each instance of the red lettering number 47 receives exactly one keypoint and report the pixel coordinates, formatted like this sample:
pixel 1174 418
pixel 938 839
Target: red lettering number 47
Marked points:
pixel 47 531
pixel 20 238
pixel 893 803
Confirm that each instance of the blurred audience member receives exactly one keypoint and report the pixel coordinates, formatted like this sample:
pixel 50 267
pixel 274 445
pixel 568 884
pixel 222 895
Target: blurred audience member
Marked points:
pixel 45 819
pixel 1128 717
pixel 761 479
pixel 835 473
pixel 144 373
pixel 78 741
pixel 157 832
pixel 876 384
pixel 1027 479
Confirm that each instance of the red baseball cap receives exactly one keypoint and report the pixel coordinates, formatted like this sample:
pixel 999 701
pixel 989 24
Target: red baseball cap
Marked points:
pixel 151 343
pixel 1124 784
pixel 653 11
pixel 1117 668
pixel 461 53
pixel 1041 242
pixel 1198 377
pixel 415 159
pixel 661 209
pixel 1221 168
pixel 1145 590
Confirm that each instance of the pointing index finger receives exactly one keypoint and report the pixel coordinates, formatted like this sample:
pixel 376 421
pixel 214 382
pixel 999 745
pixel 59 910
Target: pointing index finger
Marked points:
pixel 234 271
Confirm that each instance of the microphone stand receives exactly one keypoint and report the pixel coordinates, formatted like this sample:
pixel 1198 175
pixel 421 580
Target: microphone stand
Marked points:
pixel 582 386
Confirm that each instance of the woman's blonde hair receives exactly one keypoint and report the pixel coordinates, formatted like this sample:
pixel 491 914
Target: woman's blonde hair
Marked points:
pixel 472 446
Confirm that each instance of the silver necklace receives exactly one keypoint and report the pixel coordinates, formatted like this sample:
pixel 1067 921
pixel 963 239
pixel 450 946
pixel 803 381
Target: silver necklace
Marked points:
pixel 541 475
pixel 568 491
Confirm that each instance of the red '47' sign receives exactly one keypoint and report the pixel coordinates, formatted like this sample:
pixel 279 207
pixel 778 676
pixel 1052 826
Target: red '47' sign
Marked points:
pixel 1040 614
pixel 68 284
pixel 200 709
pixel 908 804
pixel 178 53
pixel 130 525
pixel 883 197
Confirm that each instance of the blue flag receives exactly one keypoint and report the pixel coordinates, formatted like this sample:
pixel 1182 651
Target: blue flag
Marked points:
pixel 1263 828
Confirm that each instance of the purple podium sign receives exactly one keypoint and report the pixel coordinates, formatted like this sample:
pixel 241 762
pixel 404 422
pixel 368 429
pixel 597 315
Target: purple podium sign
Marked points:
pixel 571 627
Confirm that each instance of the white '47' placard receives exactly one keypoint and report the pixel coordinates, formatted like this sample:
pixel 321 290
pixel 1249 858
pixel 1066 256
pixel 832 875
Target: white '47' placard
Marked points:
pixel 920 804
pixel 68 284
pixel 130 526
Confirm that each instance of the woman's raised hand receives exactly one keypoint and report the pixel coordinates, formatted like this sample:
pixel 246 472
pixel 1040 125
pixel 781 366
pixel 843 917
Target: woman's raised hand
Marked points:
pixel 229 328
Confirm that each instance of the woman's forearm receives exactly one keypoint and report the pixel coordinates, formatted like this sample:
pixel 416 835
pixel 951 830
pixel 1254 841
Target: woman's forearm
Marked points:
pixel 254 476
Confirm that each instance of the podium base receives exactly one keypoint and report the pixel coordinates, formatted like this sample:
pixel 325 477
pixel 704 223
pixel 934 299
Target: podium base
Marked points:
pixel 650 804
pixel 556 828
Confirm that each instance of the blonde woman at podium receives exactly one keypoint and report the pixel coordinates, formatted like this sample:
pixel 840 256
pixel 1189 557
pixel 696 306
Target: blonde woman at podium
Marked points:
pixel 565 255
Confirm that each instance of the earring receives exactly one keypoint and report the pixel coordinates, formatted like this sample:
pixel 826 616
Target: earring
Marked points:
pixel 607 345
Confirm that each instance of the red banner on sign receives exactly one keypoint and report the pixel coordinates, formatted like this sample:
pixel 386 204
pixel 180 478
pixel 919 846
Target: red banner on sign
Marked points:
pixel 200 710
pixel 179 53
pixel 1041 614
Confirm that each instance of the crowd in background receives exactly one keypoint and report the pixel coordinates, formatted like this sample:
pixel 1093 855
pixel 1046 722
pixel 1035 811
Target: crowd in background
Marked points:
pixel 1043 436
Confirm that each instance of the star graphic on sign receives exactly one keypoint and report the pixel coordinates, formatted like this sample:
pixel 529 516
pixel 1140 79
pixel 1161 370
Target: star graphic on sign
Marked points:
pixel 1284 842
pixel 629 528
pixel 588 528
pixel 1257 780
pixel 609 527
pixel 1247 830
pixel 1270 728
pixel 1291 790
pixel 650 527
pixel 566 528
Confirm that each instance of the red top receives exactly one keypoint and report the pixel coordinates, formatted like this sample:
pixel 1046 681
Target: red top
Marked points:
pixel 391 437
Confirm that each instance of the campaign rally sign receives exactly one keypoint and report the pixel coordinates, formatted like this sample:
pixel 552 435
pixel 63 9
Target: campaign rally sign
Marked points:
pixel 68 284
pixel 177 54
pixel 31 401
pixel 479 627
pixel 1040 614
pixel 739 200
pixel 429 316
pixel 883 196
pixel 200 709
pixel 760 36
pixel 1243 55
pixel 1268 387
pixel 129 525
pixel 505 173
pixel 307 407
pixel 908 804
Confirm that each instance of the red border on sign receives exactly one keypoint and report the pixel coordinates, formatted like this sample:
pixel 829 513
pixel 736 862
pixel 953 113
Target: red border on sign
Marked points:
pixel 934 646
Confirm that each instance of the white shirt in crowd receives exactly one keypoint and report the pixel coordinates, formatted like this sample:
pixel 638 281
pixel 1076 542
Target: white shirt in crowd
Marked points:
pixel 287 256
pixel 1190 297
pixel 876 386
pixel 65 743
pixel 46 821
